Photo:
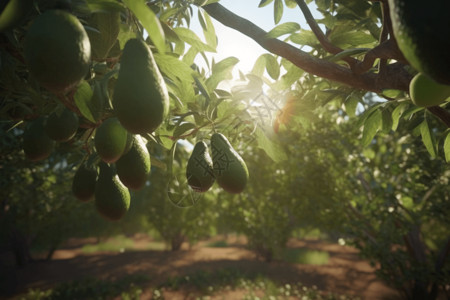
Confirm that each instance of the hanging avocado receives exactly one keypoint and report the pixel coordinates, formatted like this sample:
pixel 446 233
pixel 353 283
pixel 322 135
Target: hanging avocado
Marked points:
pixel 422 31
pixel 133 167
pixel 230 169
pixel 140 99
pixel 112 198
pixel 199 169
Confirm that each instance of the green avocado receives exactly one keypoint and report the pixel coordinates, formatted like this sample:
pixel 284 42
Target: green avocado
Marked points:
pixel 112 198
pixel 63 126
pixel 83 184
pixel 422 31
pixel 133 167
pixel 426 92
pixel 230 169
pixel 199 169
pixel 37 145
pixel 110 140
pixel 57 50
pixel 140 99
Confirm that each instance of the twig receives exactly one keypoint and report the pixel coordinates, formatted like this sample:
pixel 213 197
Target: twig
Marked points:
pixel 320 35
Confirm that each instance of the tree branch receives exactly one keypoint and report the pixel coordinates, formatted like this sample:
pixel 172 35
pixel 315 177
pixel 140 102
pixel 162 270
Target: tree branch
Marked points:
pixel 322 68
pixel 394 77
pixel 320 35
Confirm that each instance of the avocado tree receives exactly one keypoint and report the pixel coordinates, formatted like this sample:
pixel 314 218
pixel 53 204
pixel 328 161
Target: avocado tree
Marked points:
pixel 126 73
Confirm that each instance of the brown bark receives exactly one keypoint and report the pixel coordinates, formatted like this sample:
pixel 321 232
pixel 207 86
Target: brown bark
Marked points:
pixel 394 76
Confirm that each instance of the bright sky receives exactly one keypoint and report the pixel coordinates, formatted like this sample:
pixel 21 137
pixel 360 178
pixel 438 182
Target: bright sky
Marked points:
pixel 234 43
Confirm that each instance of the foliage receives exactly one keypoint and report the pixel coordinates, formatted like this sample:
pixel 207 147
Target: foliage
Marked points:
pixel 129 287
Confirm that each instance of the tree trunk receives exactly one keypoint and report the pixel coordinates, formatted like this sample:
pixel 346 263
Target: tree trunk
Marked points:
pixel 176 242
pixel 20 247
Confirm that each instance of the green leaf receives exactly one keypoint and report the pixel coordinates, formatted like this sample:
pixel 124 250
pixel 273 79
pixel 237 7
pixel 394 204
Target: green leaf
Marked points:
pixel 202 88
pixel 304 37
pixel 292 75
pixel 371 127
pixel 264 3
pixel 225 64
pixel 173 67
pixel 107 27
pixel 347 53
pixel 447 147
pixel 397 113
pixel 259 66
pixel 191 38
pixel 428 138
pixel 272 67
pixel 387 121
pixel 278 11
pixel 221 71
pixel 272 149
pixel 282 29
pixel 150 22
pixel 183 128
pixel 210 32
pixel 201 20
pixel 352 38
pixel 351 103
pixel 82 98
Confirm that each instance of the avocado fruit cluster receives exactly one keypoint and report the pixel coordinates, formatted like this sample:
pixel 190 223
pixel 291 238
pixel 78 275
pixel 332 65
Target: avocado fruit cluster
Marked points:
pixel 226 167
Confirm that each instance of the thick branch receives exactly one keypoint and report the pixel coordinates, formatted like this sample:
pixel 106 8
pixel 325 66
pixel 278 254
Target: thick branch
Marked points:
pixel 386 50
pixel 320 35
pixel 322 68
pixel 393 77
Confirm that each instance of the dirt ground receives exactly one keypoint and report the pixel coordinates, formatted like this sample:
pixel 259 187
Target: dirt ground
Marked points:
pixel 345 272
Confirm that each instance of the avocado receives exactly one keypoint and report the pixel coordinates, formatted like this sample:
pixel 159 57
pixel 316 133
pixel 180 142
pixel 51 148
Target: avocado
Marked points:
pixel 199 169
pixel 426 92
pixel 37 145
pixel 57 50
pixel 133 167
pixel 422 31
pixel 83 184
pixel 110 140
pixel 112 198
pixel 229 168
pixel 62 126
pixel 140 99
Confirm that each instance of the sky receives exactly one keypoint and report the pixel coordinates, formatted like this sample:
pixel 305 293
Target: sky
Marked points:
pixel 234 43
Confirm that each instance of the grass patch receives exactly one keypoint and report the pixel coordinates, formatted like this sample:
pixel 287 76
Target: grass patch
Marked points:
pixel 129 287
pixel 305 256
pixel 120 244
pixel 198 285
pixel 202 284
pixel 218 244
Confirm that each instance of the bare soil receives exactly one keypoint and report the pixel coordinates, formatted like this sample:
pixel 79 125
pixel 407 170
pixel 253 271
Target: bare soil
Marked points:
pixel 345 273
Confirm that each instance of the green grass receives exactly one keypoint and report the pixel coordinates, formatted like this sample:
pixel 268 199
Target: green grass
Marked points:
pixel 305 256
pixel 199 284
pixel 255 286
pixel 129 287
pixel 218 244
pixel 120 244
